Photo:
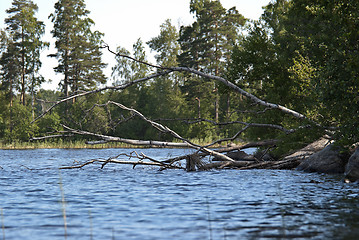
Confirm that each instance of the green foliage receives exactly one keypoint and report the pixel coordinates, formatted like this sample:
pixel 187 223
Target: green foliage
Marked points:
pixel 21 60
pixel 78 47
pixel 301 54
pixel 2 127
pixel 206 45
pixel 49 123
pixel 127 70
pixel 166 45
pixel 333 47
pixel 20 124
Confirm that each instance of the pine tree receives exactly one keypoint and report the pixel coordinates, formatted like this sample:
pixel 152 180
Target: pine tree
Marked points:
pixel 25 32
pixel 78 47
pixel 206 45
pixel 10 67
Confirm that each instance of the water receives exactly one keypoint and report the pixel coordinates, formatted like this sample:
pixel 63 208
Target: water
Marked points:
pixel 119 202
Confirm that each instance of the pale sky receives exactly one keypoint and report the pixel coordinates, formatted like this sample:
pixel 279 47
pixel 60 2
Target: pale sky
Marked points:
pixel 124 21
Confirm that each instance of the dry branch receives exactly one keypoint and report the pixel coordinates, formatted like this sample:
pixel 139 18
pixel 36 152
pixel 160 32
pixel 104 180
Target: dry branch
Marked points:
pixel 106 139
pixel 141 161
pixel 222 80
pixel 194 161
pixel 50 136
pixel 134 163
pixel 229 84
pixel 272 142
pixel 283 164
pixel 118 87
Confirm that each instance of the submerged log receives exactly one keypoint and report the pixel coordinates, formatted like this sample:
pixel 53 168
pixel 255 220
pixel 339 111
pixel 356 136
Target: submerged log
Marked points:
pixel 198 161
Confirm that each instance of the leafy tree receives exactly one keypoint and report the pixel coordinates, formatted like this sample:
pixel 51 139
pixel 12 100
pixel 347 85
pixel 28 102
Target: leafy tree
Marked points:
pixel 207 43
pixel 21 127
pixel 78 47
pixel 50 122
pixel 167 100
pixel 328 43
pixel 135 96
pixel 302 54
pixel 127 70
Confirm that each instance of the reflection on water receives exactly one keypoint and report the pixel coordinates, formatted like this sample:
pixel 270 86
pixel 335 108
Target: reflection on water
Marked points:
pixel 119 202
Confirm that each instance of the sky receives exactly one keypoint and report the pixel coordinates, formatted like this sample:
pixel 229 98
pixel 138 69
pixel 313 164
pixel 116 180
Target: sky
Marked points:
pixel 123 22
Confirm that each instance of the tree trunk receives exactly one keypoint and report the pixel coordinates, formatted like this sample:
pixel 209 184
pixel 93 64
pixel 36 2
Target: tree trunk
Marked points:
pixel 216 108
pixel 228 105
pixel 199 107
pixel 23 71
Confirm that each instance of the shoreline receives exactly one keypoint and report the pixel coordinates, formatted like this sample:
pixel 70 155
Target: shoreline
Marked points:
pixel 79 146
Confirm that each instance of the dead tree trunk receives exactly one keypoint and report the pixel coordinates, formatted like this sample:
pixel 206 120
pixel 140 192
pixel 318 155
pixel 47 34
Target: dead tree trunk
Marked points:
pixel 193 161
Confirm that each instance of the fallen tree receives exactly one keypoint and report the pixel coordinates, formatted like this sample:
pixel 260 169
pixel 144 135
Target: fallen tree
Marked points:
pixel 194 161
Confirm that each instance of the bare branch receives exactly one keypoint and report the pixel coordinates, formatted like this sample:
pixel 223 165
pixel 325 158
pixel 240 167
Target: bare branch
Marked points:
pixel 165 129
pixel 242 92
pixel 106 139
pixel 51 136
pixel 118 87
pixel 141 161
pixel 133 59
pixel 229 84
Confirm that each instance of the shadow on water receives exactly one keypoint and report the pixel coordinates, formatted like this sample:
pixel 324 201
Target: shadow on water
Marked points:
pixel 345 219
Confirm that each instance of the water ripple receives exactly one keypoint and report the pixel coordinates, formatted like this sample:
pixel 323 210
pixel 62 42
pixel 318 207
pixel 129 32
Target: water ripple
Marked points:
pixel 121 203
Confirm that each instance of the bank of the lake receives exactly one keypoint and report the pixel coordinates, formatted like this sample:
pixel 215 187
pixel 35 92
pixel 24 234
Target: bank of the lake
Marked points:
pixel 78 144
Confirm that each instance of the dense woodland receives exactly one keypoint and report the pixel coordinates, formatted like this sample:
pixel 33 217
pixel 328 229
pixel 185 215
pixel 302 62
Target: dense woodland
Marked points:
pixel 301 54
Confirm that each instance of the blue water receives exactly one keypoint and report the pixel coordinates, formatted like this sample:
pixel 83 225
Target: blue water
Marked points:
pixel 119 202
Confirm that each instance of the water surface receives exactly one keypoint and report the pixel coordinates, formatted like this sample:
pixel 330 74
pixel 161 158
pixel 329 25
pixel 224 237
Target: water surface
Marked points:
pixel 119 202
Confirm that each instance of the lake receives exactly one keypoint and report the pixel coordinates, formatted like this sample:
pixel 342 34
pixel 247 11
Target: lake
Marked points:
pixel 119 202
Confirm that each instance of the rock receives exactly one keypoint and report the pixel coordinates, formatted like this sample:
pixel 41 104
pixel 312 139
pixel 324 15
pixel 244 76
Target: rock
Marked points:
pixel 238 156
pixel 310 149
pixel 352 168
pixel 263 156
pixel 328 160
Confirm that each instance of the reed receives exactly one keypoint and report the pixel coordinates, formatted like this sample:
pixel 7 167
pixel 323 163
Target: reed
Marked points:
pixel 282 212
pixel 78 144
pixel 63 205
pixel 81 144
pixel 2 224
pixel 209 220
pixel 91 226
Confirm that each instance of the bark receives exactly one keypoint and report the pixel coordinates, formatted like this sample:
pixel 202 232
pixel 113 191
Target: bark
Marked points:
pixel 141 161
pixel 193 161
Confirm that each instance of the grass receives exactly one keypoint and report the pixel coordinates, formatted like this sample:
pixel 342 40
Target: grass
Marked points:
pixel 79 144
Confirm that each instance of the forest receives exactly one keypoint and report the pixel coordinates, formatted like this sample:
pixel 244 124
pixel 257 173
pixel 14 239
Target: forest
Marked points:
pixel 292 76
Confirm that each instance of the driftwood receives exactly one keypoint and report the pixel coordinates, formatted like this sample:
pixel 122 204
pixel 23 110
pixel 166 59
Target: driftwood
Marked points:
pixel 196 162
pixel 201 158
pixel 142 160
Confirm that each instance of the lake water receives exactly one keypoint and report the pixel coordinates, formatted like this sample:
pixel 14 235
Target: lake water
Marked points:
pixel 119 202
